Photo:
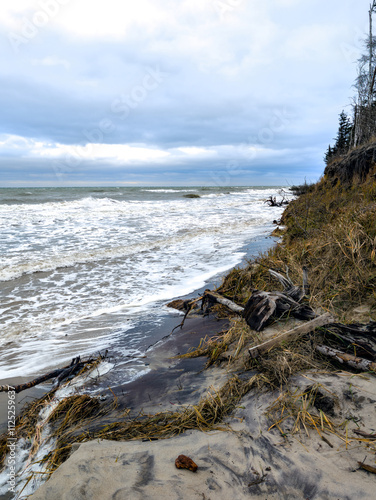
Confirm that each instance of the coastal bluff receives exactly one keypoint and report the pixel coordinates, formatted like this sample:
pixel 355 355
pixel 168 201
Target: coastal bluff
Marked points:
pixel 353 167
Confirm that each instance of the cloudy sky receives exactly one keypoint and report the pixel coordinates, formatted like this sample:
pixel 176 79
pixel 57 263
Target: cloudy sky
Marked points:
pixel 173 92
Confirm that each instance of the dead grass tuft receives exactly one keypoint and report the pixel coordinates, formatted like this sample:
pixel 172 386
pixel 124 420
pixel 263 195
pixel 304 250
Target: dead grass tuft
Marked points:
pixel 294 412
pixel 285 360
pixel 237 337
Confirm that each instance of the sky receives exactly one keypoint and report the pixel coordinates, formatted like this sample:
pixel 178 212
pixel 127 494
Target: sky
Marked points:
pixel 182 92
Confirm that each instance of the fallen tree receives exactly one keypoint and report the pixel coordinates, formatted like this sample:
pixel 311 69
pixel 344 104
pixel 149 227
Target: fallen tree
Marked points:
pixel 262 307
pixel 60 375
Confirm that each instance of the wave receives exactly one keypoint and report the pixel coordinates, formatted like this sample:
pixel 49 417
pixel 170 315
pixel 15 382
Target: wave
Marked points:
pixel 87 202
pixel 48 264
pixel 169 190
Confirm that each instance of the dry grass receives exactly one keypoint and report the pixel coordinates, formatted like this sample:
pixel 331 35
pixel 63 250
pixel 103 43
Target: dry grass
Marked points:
pixel 237 336
pixel 237 285
pixel 205 416
pixel 299 412
pixel 332 231
pixel 75 419
pixel 293 412
pixel 283 361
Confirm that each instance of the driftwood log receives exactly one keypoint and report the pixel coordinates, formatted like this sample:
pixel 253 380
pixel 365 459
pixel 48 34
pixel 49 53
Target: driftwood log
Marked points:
pixel 357 339
pixel 59 375
pixel 262 307
pixel 308 327
pixel 217 298
pixel 348 359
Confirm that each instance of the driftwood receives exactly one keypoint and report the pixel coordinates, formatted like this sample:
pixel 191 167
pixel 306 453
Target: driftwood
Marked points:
pixel 208 299
pixel 308 327
pixel 342 357
pixel 59 375
pixel 293 291
pixel 272 201
pixel 189 305
pixel 216 297
pixel 39 380
pixel 73 369
pixel 357 339
pixel 262 307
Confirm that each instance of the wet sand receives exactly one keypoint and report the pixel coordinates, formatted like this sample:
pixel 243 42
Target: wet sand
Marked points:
pixel 174 382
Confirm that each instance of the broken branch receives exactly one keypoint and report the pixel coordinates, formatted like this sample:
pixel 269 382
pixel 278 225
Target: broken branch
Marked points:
pixel 341 357
pixel 59 375
pixel 308 327
pixel 215 297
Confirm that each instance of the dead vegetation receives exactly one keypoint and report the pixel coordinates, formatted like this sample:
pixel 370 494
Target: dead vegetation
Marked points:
pixel 293 412
pixel 237 336
pixel 331 232
pixel 75 420
pixel 299 411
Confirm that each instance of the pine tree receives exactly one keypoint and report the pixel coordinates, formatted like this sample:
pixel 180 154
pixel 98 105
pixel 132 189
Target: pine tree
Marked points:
pixel 328 155
pixel 342 143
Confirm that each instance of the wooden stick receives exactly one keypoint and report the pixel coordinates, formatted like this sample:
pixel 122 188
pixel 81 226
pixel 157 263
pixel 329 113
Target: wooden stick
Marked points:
pixel 349 359
pixel 322 320
pixel 225 302
pixel 190 307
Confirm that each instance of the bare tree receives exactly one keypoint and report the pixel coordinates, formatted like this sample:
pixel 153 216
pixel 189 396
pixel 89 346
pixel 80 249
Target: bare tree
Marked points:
pixel 371 69
pixel 364 122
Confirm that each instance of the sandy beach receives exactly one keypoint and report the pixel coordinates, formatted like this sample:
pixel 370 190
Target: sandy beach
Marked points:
pixel 243 460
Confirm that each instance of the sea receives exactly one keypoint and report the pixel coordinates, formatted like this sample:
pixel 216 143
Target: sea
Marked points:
pixel 84 270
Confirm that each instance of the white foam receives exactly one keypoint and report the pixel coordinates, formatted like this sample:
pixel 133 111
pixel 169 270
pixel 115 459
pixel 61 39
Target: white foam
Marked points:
pixel 169 190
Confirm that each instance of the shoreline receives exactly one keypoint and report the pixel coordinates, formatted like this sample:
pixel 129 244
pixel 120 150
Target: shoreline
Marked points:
pixel 167 322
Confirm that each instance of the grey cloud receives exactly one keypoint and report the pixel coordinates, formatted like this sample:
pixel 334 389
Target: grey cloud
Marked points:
pixel 242 87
